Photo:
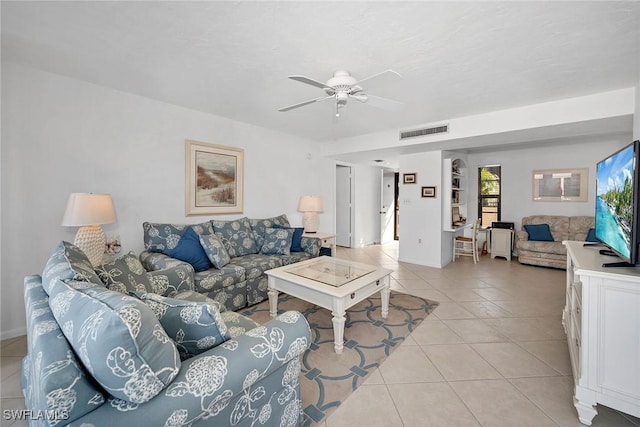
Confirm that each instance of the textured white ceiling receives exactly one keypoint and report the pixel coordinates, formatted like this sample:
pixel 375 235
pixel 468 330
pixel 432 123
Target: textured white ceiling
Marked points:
pixel 233 58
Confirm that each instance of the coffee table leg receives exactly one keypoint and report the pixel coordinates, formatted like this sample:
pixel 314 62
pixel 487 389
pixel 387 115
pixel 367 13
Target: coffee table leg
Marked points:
pixel 273 301
pixel 339 320
pixel 384 294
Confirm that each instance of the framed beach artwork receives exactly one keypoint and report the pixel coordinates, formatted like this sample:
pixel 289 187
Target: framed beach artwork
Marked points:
pixel 214 179
pixel 560 185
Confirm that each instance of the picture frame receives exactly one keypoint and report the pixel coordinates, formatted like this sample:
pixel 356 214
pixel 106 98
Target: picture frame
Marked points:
pixel 214 179
pixel 428 191
pixel 560 185
pixel 409 178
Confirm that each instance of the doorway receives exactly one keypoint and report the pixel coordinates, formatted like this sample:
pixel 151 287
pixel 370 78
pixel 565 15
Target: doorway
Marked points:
pixel 343 206
pixel 388 207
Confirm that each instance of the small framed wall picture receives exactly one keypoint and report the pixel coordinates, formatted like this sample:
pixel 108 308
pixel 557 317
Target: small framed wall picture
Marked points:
pixel 428 191
pixel 409 178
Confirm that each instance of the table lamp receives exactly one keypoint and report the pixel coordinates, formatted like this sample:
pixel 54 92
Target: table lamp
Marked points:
pixel 88 211
pixel 310 206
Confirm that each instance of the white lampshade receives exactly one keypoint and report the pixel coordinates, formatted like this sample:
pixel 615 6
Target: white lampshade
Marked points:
pixel 88 211
pixel 310 205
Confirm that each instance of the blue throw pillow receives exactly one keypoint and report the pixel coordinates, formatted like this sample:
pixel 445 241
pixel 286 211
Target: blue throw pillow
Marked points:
pixel 190 250
pixel 591 236
pixel 539 232
pixel 296 243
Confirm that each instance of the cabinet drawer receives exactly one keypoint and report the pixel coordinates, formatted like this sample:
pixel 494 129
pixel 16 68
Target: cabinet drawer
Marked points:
pixel 575 344
pixel 576 285
pixel 364 292
pixel 576 305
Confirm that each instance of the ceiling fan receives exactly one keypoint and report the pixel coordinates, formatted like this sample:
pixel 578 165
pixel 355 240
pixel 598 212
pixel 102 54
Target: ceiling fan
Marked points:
pixel 343 86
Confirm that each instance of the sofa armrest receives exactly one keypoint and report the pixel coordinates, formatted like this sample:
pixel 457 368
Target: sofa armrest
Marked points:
pixel 54 381
pixel 168 276
pixel 522 235
pixel 311 245
pixel 158 261
pixel 249 358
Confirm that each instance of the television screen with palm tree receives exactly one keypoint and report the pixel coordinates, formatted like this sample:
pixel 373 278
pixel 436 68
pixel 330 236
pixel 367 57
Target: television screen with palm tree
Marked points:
pixel 617 202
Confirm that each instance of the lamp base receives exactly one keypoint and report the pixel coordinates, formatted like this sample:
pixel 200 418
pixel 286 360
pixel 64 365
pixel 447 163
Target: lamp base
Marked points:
pixel 310 222
pixel 91 240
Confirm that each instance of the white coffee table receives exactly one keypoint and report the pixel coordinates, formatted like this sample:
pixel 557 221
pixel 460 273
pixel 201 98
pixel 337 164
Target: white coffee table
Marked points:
pixel 331 283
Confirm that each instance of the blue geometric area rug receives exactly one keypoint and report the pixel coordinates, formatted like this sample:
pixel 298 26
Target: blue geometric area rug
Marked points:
pixel 328 378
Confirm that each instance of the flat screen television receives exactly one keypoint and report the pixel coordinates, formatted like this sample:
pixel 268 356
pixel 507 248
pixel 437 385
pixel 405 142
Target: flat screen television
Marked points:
pixel 617 203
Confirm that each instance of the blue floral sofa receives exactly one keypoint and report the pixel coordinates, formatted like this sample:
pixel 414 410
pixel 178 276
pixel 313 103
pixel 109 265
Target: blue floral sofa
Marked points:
pixel 100 357
pixel 238 252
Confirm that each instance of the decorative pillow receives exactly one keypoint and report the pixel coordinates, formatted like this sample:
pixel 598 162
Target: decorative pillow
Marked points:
pixel 190 250
pixel 277 241
pixel 125 274
pixel 259 225
pixel 215 250
pixel 118 338
pixel 539 232
pixel 296 242
pixel 164 237
pixel 194 326
pixel 68 262
pixel 237 236
pixel 591 236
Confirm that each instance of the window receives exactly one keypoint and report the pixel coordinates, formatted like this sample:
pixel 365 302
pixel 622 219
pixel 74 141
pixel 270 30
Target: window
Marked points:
pixel 489 190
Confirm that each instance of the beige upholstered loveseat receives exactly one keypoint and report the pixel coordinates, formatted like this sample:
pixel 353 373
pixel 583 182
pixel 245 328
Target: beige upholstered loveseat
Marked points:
pixel 551 254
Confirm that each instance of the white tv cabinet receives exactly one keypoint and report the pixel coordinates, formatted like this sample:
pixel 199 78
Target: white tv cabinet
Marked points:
pixel 602 321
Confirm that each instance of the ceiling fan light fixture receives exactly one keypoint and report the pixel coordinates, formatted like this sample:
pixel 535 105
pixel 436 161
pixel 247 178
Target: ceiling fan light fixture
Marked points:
pixel 341 99
pixel 343 86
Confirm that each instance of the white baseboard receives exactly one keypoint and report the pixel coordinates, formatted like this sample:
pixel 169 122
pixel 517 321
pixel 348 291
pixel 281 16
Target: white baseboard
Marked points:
pixel 5 335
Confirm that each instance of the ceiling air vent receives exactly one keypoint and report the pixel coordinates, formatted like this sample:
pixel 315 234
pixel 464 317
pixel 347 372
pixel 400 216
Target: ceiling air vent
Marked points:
pixel 423 132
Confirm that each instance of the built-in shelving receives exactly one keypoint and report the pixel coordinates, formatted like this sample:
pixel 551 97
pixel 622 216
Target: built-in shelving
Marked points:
pixel 454 203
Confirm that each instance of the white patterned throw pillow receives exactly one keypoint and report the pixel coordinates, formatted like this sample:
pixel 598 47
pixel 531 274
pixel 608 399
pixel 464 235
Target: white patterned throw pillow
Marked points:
pixel 118 338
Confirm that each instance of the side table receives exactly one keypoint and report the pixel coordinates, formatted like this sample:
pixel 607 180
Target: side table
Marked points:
pixel 328 240
pixel 501 243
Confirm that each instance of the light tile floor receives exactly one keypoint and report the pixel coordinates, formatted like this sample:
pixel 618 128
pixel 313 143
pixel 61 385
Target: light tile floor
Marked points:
pixel 493 353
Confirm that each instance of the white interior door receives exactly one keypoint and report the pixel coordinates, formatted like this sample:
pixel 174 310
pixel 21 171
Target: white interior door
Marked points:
pixel 387 207
pixel 343 206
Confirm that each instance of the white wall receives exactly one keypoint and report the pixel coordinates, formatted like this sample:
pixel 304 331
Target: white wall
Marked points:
pixel 516 170
pixel 636 116
pixel 420 226
pixel 62 135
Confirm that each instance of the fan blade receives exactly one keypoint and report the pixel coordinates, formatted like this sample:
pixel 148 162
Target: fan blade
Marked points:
pixel 379 102
pixel 380 77
pixel 302 104
pixel 359 96
pixel 307 80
